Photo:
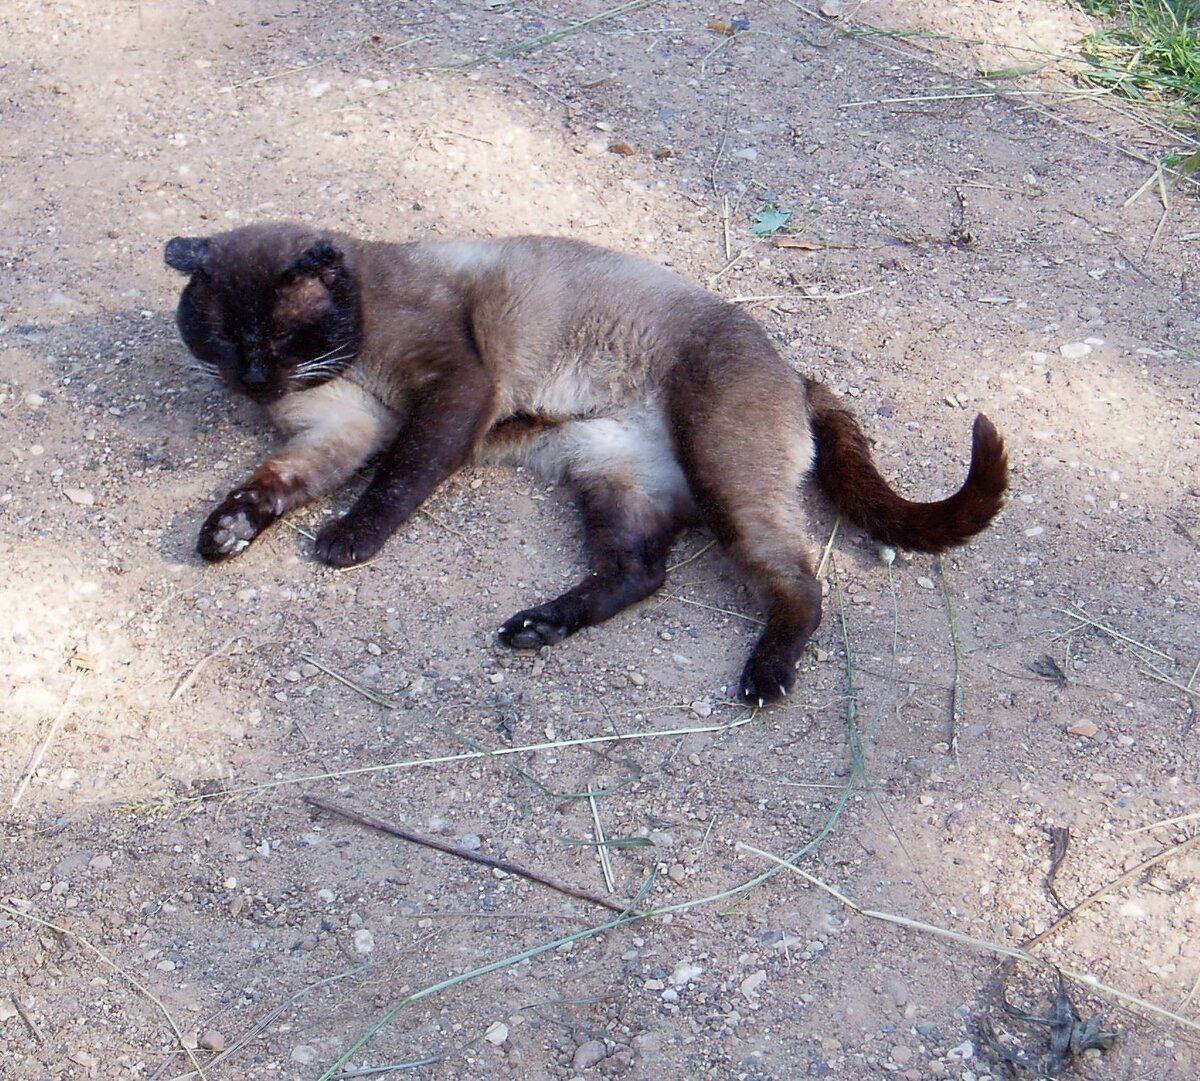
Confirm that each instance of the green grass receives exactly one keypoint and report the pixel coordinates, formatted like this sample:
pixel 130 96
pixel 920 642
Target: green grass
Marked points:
pixel 1150 51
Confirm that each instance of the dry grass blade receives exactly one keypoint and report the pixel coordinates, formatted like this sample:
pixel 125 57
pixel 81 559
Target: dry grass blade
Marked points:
pixel 132 980
pixel 1016 953
pixel 483 970
pixel 1086 620
pixel 957 709
pixel 602 851
pixel 189 680
pixel 35 759
pixel 270 1017
pixel 536 42
pixel 467 756
pixel 1118 883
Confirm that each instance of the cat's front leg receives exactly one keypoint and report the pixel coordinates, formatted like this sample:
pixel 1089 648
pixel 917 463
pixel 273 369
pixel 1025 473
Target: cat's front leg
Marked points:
pixel 245 512
pixel 334 429
pixel 445 424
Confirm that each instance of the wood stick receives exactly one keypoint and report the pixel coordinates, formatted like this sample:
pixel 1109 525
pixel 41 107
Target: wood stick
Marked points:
pixel 451 850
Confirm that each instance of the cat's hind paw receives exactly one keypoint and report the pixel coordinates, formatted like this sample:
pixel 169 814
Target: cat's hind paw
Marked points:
pixel 766 680
pixel 534 627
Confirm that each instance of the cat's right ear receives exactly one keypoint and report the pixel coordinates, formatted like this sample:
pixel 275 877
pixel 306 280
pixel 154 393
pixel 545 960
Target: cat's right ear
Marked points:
pixel 187 254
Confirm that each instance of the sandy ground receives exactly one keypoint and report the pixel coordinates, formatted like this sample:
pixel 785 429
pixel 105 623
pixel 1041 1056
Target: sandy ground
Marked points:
pixel 169 902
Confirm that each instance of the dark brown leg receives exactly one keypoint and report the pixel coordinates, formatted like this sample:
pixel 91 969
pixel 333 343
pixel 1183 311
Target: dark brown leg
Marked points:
pixel 629 539
pixel 740 424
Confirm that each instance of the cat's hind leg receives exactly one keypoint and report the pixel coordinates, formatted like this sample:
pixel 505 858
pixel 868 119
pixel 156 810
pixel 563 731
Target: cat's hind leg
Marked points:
pixel 634 502
pixel 740 422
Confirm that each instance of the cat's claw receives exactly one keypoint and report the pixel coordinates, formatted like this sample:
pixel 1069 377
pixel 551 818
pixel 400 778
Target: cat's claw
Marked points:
pixel 341 544
pixel 532 630
pixel 765 681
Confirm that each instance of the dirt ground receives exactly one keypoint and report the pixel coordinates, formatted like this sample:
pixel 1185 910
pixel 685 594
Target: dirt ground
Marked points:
pixel 170 902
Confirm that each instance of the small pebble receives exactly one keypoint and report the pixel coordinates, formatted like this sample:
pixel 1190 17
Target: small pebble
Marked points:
pixel 588 1054
pixel 751 984
pixel 211 1040
pixel 1086 729
pixel 1074 350
pixel 925 583
pixel 304 1054
pixel 364 941
pixel 685 972
pixel 497 1033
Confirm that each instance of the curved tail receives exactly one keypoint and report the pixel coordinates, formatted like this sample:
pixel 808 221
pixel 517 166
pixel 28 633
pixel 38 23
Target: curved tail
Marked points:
pixel 845 469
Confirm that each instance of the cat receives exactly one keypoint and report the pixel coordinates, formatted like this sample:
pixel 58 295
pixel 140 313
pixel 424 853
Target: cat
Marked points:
pixel 661 405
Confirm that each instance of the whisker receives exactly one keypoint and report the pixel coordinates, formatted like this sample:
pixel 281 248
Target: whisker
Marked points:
pixel 329 365
pixel 340 345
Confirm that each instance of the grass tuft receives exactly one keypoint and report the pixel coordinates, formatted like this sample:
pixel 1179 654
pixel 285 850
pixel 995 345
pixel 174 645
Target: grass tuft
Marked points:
pixel 1150 53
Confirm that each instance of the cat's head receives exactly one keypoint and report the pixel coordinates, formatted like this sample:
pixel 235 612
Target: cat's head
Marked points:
pixel 270 309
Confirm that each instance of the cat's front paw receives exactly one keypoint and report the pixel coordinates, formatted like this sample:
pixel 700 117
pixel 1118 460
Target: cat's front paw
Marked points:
pixel 343 543
pixel 766 679
pixel 535 627
pixel 241 516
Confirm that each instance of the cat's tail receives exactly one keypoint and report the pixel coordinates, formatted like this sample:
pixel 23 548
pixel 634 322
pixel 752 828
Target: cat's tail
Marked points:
pixel 845 470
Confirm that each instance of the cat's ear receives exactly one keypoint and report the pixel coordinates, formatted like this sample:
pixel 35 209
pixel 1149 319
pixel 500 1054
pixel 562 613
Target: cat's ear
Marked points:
pixel 187 254
pixel 323 257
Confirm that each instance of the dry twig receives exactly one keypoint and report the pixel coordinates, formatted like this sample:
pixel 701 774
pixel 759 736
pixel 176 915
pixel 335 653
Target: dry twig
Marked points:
pixel 451 850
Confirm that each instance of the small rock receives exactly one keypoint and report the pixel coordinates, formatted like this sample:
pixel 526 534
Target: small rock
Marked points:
pixel 751 984
pixel 497 1033
pixel 211 1040
pixel 925 583
pixel 901 1055
pixel 1074 350
pixel 702 708
pixel 746 153
pixel 100 863
pixel 623 148
pixel 304 1054
pixel 685 972
pixel 1086 729
pixel 80 496
pixel 364 941
pixel 832 9
pixel 470 842
pixel 963 1051
pixel 677 873
pixel 588 1054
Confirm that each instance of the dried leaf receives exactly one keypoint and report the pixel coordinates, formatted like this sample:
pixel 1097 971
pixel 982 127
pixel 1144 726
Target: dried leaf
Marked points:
pixel 797 243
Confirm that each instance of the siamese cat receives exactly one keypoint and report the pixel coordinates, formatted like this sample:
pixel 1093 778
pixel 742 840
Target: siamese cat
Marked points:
pixel 660 405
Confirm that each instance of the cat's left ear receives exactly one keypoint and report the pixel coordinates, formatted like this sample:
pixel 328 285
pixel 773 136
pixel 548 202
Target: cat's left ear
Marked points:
pixel 320 261
pixel 187 254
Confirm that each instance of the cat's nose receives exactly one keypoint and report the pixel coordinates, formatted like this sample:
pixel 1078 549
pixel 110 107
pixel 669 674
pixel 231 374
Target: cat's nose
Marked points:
pixel 255 375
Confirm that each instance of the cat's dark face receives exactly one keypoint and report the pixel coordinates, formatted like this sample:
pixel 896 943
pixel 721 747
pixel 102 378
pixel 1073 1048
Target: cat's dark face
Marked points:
pixel 270 309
